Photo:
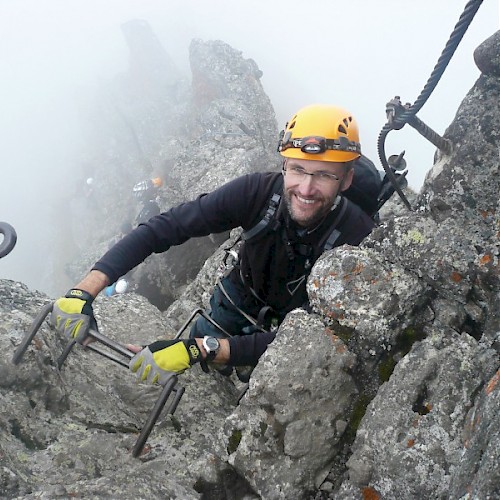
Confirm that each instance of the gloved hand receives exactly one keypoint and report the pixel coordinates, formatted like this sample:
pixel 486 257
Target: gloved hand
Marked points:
pixel 156 362
pixel 73 315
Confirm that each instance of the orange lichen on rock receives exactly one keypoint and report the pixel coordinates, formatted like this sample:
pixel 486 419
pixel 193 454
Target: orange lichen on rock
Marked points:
pixel 493 383
pixel 485 259
pixel 359 267
pixel 370 494
pixel 456 277
pixel 335 315
pixel 340 348
pixel 339 345
pixel 354 272
pixel 331 334
pixel 486 213
pixel 410 443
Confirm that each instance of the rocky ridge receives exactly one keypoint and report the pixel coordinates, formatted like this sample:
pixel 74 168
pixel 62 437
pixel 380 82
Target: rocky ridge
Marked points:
pixel 388 388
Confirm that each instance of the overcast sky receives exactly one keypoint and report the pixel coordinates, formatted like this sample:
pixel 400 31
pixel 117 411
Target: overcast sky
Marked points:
pixel 356 53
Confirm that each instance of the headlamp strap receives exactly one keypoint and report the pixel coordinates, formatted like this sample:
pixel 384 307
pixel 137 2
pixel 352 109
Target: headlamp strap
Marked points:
pixel 315 144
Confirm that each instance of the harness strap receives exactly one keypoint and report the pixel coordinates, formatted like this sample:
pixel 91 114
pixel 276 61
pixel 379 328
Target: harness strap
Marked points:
pixel 256 322
pixel 334 236
pixel 265 221
pixel 249 288
pixel 271 211
pixel 262 314
pixel 330 240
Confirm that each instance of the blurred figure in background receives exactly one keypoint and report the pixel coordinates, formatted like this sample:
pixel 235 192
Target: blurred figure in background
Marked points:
pixel 147 194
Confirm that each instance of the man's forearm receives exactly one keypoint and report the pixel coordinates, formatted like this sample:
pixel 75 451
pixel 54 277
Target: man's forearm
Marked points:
pixel 93 283
pixel 240 349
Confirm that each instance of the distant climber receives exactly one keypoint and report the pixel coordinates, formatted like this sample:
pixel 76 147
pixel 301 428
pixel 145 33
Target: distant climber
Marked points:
pixel 147 194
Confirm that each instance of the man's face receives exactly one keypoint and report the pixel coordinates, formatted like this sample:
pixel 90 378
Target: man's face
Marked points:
pixel 309 197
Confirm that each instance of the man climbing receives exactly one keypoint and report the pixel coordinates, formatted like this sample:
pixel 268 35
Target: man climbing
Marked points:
pixel 289 219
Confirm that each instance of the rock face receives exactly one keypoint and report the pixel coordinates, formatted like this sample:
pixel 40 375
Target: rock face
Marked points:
pixel 292 421
pixel 388 388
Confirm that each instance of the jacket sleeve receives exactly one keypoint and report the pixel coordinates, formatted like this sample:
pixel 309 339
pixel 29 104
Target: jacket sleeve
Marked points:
pixel 247 349
pixel 229 206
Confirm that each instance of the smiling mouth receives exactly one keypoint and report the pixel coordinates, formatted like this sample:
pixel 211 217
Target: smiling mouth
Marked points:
pixel 306 201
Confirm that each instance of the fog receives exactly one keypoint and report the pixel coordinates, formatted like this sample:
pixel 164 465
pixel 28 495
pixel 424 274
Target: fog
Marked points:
pixel 357 54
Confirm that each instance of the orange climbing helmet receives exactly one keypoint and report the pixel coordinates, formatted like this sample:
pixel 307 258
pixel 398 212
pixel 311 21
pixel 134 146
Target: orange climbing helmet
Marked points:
pixel 321 132
pixel 157 182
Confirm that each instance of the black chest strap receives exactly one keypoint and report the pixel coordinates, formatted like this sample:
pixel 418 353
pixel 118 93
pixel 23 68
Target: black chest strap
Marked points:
pixel 269 220
pixel 266 220
pixel 328 242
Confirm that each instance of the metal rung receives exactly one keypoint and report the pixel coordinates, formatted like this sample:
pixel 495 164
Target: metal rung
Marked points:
pixel 205 315
pixel 170 386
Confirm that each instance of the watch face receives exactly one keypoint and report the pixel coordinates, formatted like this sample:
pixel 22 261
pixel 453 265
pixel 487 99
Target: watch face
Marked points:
pixel 212 344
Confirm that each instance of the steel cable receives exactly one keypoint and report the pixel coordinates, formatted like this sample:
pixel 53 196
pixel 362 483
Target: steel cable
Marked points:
pixel 456 36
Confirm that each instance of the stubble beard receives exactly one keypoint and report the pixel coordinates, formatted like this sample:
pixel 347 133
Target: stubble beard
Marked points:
pixel 315 218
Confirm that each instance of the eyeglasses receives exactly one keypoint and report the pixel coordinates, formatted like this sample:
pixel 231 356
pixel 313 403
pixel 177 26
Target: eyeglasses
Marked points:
pixel 320 177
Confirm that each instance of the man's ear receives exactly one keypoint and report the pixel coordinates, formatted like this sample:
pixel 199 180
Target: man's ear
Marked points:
pixel 347 180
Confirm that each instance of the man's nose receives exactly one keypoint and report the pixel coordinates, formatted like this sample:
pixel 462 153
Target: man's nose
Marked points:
pixel 306 184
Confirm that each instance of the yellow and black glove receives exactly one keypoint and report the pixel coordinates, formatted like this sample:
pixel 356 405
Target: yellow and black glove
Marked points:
pixel 157 361
pixel 73 315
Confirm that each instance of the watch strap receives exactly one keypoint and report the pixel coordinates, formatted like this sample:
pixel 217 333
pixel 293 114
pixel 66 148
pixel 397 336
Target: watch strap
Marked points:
pixel 210 354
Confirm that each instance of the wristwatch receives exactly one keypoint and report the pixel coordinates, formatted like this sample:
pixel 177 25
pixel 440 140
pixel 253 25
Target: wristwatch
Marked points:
pixel 211 346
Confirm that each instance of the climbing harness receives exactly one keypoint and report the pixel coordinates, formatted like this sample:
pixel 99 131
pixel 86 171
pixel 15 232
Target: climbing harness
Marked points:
pixel 369 190
pixel 9 239
pixel 257 323
pixel 398 115
pixel 110 349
